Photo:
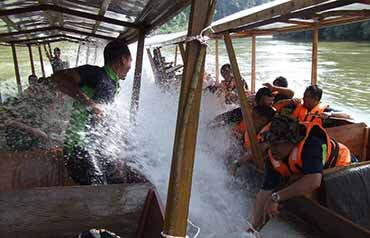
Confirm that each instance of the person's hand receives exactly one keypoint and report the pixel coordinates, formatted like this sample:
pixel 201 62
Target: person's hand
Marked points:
pixel 271 208
pixel 269 86
pixel 39 134
pixel 296 101
pixel 98 111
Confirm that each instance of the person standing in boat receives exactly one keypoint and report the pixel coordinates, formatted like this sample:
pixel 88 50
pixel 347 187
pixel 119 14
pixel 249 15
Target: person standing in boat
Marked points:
pixel 302 150
pixel 91 87
pixel 56 62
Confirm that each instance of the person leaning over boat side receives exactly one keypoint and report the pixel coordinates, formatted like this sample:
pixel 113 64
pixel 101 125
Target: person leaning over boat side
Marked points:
pixel 90 86
pixel 295 149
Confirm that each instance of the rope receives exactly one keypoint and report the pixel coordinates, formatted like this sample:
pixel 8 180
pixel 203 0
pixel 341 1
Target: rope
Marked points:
pixel 169 236
pixel 195 236
pixel 201 38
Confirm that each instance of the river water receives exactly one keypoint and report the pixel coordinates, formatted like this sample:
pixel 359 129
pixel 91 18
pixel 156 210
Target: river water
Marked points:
pixel 220 205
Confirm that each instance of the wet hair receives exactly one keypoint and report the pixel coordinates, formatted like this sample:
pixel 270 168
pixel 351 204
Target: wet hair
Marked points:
pixel 262 92
pixel 264 111
pixel 56 49
pixel 114 50
pixel 224 67
pixel 315 91
pixel 280 82
pixel 285 129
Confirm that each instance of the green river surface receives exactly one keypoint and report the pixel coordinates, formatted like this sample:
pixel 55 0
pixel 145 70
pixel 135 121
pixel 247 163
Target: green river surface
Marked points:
pixel 343 69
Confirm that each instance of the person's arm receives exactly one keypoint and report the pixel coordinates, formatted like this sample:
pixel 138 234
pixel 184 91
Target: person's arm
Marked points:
pixel 47 53
pixel 68 82
pixel 36 132
pixel 284 91
pixel 259 215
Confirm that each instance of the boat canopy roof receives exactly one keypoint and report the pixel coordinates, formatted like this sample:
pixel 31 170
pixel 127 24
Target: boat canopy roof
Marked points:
pixel 40 21
pixel 282 16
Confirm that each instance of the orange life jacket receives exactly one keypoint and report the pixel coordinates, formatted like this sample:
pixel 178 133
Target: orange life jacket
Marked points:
pixel 336 155
pixel 260 139
pixel 314 115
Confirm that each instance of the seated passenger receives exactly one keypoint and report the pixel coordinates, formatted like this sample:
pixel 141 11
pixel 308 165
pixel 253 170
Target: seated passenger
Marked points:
pixel 228 85
pixel 15 135
pixel 302 149
pixel 312 110
pixel 280 88
pixel 264 97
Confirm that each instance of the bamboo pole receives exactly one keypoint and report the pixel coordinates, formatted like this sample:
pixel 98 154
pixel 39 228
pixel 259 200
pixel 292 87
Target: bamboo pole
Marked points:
pixel 50 51
pixel 78 54
pixel 41 62
pixel 16 68
pixel 217 64
pixel 314 55
pixel 253 71
pixel 31 59
pixel 246 110
pixel 137 78
pixel 179 188
pixel 175 60
pixel 182 52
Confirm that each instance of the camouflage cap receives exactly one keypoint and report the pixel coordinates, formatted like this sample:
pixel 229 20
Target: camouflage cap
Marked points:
pixel 285 129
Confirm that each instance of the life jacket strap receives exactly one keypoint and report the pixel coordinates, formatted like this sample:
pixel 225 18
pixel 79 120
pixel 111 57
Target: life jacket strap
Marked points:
pixel 334 154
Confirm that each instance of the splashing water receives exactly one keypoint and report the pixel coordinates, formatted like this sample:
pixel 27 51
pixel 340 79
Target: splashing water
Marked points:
pixel 220 205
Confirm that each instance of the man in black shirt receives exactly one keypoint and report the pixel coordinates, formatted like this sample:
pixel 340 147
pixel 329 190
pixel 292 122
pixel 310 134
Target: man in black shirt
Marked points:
pixel 90 86
pixel 295 149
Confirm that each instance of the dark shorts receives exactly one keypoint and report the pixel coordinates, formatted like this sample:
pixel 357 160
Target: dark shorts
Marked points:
pixel 86 169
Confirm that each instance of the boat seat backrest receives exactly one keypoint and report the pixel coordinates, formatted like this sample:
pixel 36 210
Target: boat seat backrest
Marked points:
pixel 354 136
pixel 347 192
pixel 20 170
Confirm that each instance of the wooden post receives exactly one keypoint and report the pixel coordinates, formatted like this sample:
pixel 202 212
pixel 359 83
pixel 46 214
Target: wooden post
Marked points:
pixel 31 59
pixel 50 51
pixel 16 68
pixel 217 63
pixel 78 54
pixel 137 78
pixel 175 60
pixel 179 188
pixel 41 62
pixel 87 53
pixel 253 71
pixel 315 39
pixel 182 52
pixel 246 110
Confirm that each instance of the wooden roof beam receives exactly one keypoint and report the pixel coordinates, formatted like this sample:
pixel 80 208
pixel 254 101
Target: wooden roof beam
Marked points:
pixel 310 11
pixel 46 38
pixel 46 7
pixel 47 14
pixel 352 13
pixel 10 23
pixel 297 22
pixel 43 29
pixel 104 7
pixel 60 15
pixel 50 41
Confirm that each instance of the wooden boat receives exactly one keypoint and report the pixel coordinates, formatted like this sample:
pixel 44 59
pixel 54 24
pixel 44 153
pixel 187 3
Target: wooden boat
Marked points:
pixel 280 17
pixel 36 204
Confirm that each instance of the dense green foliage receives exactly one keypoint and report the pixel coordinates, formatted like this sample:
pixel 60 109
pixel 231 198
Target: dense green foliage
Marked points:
pixel 356 31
